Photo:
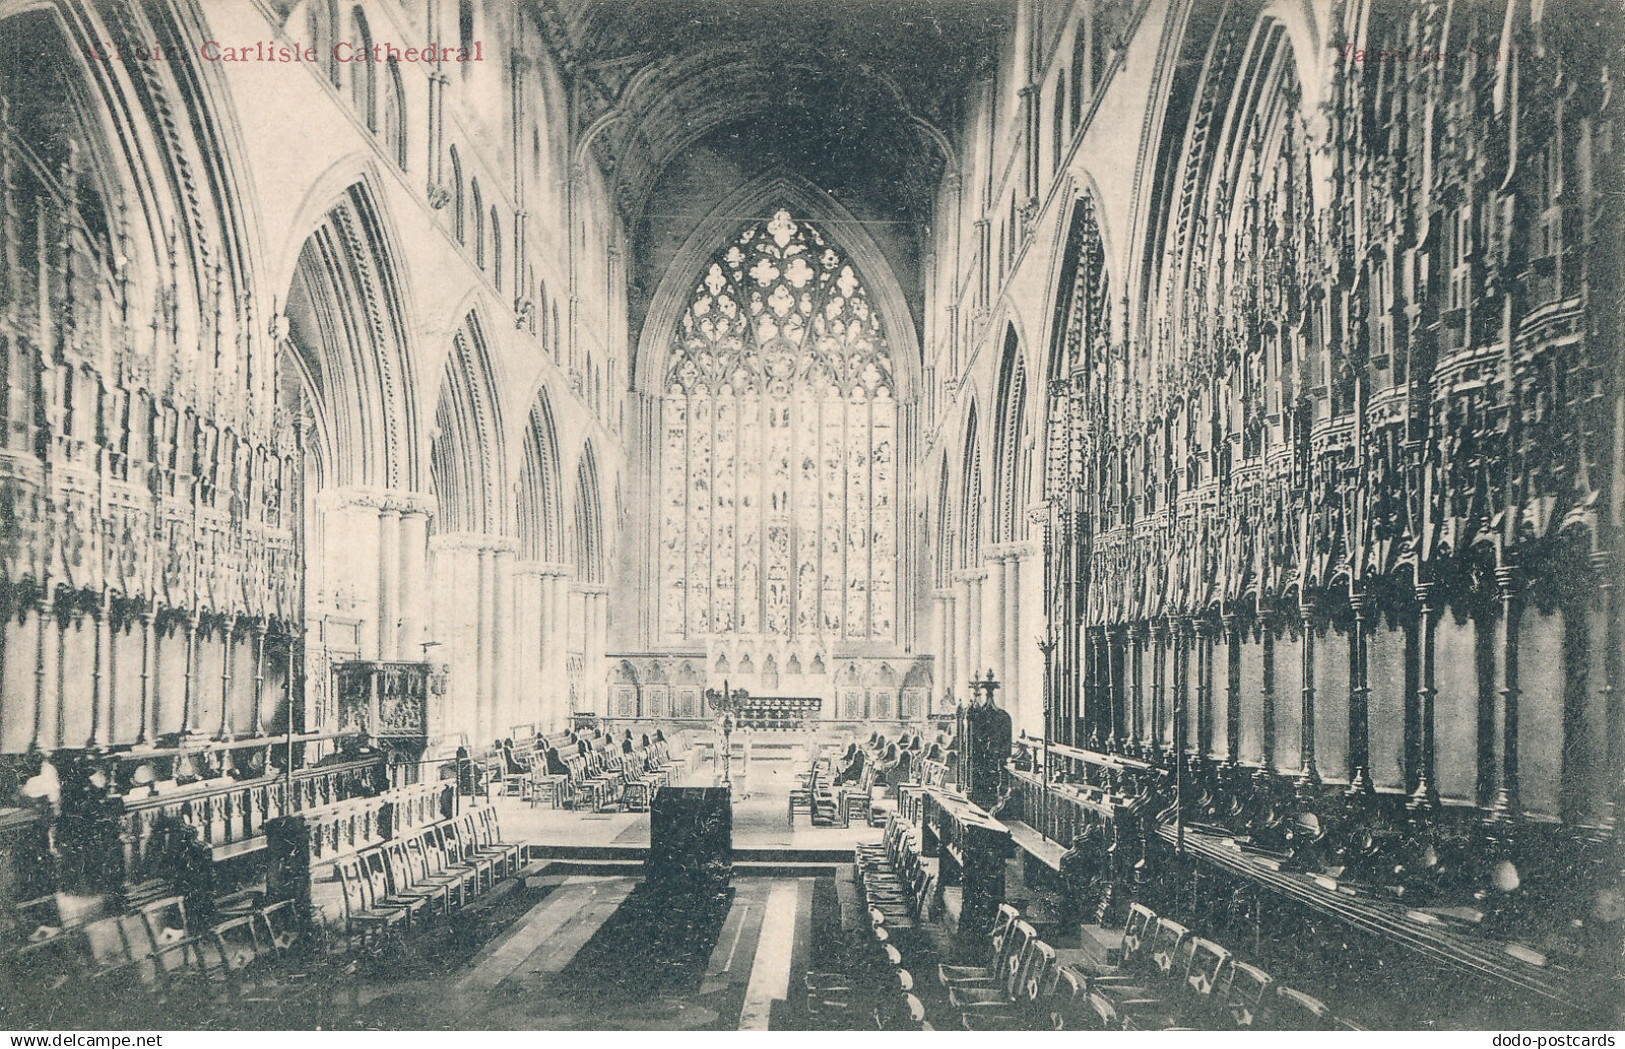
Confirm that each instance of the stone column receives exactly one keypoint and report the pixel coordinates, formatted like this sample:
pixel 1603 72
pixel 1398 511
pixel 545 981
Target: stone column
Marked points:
pixel 1012 629
pixel 42 620
pixel 1232 691
pixel 993 648
pixel 527 632
pixel 1310 772
pixel 1136 700
pixel 100 709
pixel 389 582
pixel 1425 795
pixel 484 712
pixel 258 633
pixel 939 602
pixel 1181 632
pixel 228 643
pixel 414 584
pixel 964 655
pixel 1613 697
pixel 149 705
pixel 1267 687
pixel 1204 687
pixel 502 639
pixel 977 646
pixel 558 684
pixel 1359 698
pixel 1159 681
pixel 188 705
pixel 599 652
pixel 1507 802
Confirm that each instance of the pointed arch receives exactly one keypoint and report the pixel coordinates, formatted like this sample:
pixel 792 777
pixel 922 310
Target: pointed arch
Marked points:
pixel 944 528
pixel 458 205
pixel 466 459
pixel 477 207
pixel 1012 460
pixel 970 495
pixel 363 71
pixel 347 329
pixel 541 495
pixel 394 119
pixel 587 546
pixel 805 201
pixel 779 436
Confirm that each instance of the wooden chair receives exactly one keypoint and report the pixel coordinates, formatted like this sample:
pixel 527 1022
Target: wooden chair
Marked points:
pixel 1000 941
pixel 860 798
pixel 547 788
pixel 167 926
pixel 1293 1010
pixel 362 918
pixel 459 853
pixel 376 871
pixel 1242 989
pixel 490 824
pixel 802 797
pixel 400 884
pixel 429 866
pixel 1001 986
pixel 281 921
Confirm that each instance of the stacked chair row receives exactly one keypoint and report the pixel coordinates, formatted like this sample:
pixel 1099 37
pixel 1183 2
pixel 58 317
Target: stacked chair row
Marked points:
pixel 1020 986
pixel 433 871
pixel 1167 978
pixel 875 987
pixel 596 780
pixel 156 966
pixel 600 781
pixel 898 887
pixel 829 805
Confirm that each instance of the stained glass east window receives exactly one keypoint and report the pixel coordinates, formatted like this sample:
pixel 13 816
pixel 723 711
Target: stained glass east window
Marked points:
pixel 778 472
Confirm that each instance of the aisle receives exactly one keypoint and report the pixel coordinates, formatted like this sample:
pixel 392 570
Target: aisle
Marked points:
pixel 597 954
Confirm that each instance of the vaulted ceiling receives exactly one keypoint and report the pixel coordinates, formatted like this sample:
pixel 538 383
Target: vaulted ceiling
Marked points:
pixel 858 96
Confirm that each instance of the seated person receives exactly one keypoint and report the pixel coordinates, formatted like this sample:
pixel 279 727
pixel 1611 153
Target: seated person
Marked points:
pixel 852 770
pixel 887 764
pixel 510 760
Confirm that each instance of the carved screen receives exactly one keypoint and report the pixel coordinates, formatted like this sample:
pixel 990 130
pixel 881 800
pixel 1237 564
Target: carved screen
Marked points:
pixel 778 488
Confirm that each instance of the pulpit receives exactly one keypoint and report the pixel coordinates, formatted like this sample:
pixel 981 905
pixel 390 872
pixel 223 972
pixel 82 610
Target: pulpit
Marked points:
pixel 390 703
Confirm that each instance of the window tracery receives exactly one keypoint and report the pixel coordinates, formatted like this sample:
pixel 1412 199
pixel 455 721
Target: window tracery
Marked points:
pixel 779 484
